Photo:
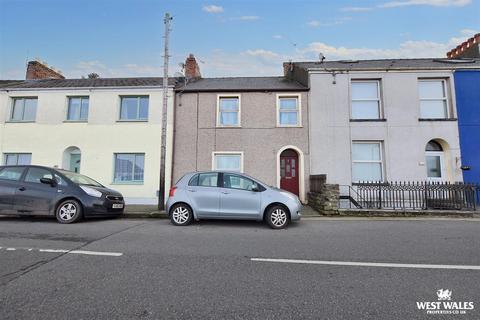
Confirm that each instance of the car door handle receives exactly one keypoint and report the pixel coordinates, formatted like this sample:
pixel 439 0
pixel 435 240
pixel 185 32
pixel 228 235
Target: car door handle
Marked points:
pixel 22 189
pixel 192 190
pixel 225 192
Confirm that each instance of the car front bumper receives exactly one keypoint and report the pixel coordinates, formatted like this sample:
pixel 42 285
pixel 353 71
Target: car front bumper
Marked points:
pixel 103 207
pixel 295 208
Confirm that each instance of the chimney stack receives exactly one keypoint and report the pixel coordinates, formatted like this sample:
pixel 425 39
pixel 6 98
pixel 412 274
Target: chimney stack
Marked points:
pixel 192 70
pixel 37 70
pixel 468 49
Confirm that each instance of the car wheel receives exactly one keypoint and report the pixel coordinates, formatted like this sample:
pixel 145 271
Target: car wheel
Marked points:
pixel 69 211
pixel 277 217
pixel 181 215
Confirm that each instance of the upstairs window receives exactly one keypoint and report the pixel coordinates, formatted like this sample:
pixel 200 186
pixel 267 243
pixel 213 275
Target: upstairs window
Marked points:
pixel 134 108
pixel 433 99
pixel 77 109
pixel 366 99
pixel 288 109
pixel 228 111
pixel 24 109
pixel 13 159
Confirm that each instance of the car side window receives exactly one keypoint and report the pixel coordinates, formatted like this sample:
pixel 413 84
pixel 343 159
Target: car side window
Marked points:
pixel 60 180
pixel 204 180
pixel 35 174
pixel 13 173
pixel 234 181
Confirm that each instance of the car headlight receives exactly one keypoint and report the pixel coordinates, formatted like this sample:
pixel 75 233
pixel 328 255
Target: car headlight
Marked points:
pixel 91 192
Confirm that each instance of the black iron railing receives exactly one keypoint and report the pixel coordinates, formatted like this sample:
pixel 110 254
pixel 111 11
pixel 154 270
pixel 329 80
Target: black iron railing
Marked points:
pixel 411 195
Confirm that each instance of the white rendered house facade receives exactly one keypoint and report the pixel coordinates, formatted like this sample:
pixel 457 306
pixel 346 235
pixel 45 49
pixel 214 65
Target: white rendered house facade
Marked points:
pixel 108 129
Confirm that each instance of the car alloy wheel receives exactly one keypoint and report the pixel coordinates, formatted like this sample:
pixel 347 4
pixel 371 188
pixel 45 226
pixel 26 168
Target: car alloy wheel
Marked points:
pixel 181 215
pixel 277 217
pixel 68 211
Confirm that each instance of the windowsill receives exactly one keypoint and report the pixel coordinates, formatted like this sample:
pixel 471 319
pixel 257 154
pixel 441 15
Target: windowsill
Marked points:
pixel 437 119
pixel 20 121
pixel 127 183
pixel 75 121
pixel 368 120
pixel 228 127
pixel 132 120
pixel 284 126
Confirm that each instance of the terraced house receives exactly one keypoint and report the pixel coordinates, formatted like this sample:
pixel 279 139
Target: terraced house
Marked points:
pixel 106 128
pixel 255 125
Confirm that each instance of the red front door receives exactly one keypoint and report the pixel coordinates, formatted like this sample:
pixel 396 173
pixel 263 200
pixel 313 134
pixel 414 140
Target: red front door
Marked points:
pixel 289 171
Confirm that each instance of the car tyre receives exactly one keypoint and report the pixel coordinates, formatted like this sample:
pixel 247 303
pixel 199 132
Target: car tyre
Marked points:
pixel 277 217
pixel 69 211
pixel 181 215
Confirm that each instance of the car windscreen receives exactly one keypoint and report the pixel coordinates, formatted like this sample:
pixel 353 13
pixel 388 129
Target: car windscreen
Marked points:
pixel 80 179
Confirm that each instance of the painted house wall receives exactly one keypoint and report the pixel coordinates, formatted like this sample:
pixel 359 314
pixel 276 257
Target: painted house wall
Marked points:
pixel 467 88
pixel 404 137
pixel 98 139
pixel 260 140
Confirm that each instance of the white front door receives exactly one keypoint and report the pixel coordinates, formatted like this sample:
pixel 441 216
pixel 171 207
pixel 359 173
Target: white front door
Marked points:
pixel 435 165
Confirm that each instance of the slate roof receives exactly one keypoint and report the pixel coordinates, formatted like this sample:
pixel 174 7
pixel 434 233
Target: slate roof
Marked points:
pixel 392 64
pixel 238 84
pixel 85 83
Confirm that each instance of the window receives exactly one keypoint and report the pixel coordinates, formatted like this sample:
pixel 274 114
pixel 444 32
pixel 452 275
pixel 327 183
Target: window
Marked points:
pixel 129 167
pixel 434 161
pixel 24 109
pixel 12 159
pixel 228 113
pixel 77 109
pixel 433 99
pixel 134 108
pixel 35 174
pixel 228 161
pixel 366 99
pixel 13 173
pixel 367 161
pixel 204 180
pixel 234 181
pixel 288 108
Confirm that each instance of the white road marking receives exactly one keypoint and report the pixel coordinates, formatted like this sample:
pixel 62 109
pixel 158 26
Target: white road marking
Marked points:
pixel 371 264
pixel 84 252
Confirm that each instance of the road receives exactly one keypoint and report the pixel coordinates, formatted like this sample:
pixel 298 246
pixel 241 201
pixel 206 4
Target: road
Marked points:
pixel 149 269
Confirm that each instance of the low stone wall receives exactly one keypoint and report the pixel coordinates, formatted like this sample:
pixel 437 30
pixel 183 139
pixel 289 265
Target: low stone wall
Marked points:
pixel 325 199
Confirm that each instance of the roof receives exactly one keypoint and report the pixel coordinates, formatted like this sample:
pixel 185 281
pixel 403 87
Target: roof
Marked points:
pixel 242 84
pixel 85 83
pixel 392 64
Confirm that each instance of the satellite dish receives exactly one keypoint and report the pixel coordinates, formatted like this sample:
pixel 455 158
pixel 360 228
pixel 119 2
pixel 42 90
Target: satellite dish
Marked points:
pixel 321 57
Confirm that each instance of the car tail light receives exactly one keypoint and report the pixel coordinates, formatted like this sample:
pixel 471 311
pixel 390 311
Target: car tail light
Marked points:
pixel 172 191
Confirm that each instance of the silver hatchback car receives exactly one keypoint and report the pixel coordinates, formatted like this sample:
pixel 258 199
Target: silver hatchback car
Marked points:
pixel 230 195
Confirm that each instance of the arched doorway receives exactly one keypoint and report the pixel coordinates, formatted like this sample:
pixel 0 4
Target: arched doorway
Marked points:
pixel 435 161
pixel 72 158
pixel 290 171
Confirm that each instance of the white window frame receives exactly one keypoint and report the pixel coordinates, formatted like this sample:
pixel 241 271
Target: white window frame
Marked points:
pixel 10 118
pixel 378 99
pixel 219 97
pixel 298 109
pixel 114 181
pixel 382 165
pixel 79 110
pixel 6 154
pixel 228 153
pixel 441 155
pixel 137 119
pixel 445 97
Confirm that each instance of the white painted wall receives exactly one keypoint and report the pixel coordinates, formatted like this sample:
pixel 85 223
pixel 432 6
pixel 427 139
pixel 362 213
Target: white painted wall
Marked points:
pixel 98 139
pixel 404 137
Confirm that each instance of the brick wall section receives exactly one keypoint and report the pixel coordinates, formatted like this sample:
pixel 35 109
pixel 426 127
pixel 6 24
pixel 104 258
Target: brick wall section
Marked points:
pixel 192 70
pixel 468 49
pixel 37 70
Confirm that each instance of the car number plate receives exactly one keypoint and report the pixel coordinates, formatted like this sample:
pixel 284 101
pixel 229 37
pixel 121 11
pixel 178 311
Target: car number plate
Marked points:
pixel 117 206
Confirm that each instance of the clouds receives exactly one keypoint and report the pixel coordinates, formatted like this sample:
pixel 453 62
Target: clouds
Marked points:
pixel 335 22
pixel 408 3
pixel 213 9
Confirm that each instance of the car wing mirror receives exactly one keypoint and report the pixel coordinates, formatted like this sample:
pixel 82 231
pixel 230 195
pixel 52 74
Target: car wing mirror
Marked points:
pixel 255 188
pixel 49 181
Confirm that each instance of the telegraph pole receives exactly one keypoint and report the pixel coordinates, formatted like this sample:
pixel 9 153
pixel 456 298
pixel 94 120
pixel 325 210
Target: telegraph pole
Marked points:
pixel 163 151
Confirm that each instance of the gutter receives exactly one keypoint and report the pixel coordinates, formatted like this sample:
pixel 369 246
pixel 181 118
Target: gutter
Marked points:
pixel 7 89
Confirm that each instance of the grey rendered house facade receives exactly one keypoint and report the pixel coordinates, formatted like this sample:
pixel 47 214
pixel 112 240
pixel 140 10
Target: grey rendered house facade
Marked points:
pixel 382 120
pixel 257 125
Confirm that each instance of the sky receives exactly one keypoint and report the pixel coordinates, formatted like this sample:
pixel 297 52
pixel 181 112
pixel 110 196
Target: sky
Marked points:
pixel 124 38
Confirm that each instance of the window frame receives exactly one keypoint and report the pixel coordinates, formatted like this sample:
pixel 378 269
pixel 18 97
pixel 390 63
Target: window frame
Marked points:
pixel 381 161
pixel 117 182
pixel 279 96
pixel 218 118
pixel 446 97
pixel 79 110
pixel 6 154
pixel 197 176
pixel 138 108
pixel 12 109
pixel 227 153
pixel 378 82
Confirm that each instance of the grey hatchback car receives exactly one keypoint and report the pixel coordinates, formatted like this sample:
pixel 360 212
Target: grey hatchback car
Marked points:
pixel 230 195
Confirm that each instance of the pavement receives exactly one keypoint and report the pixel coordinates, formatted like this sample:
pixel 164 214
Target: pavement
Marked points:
pixel 314 269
